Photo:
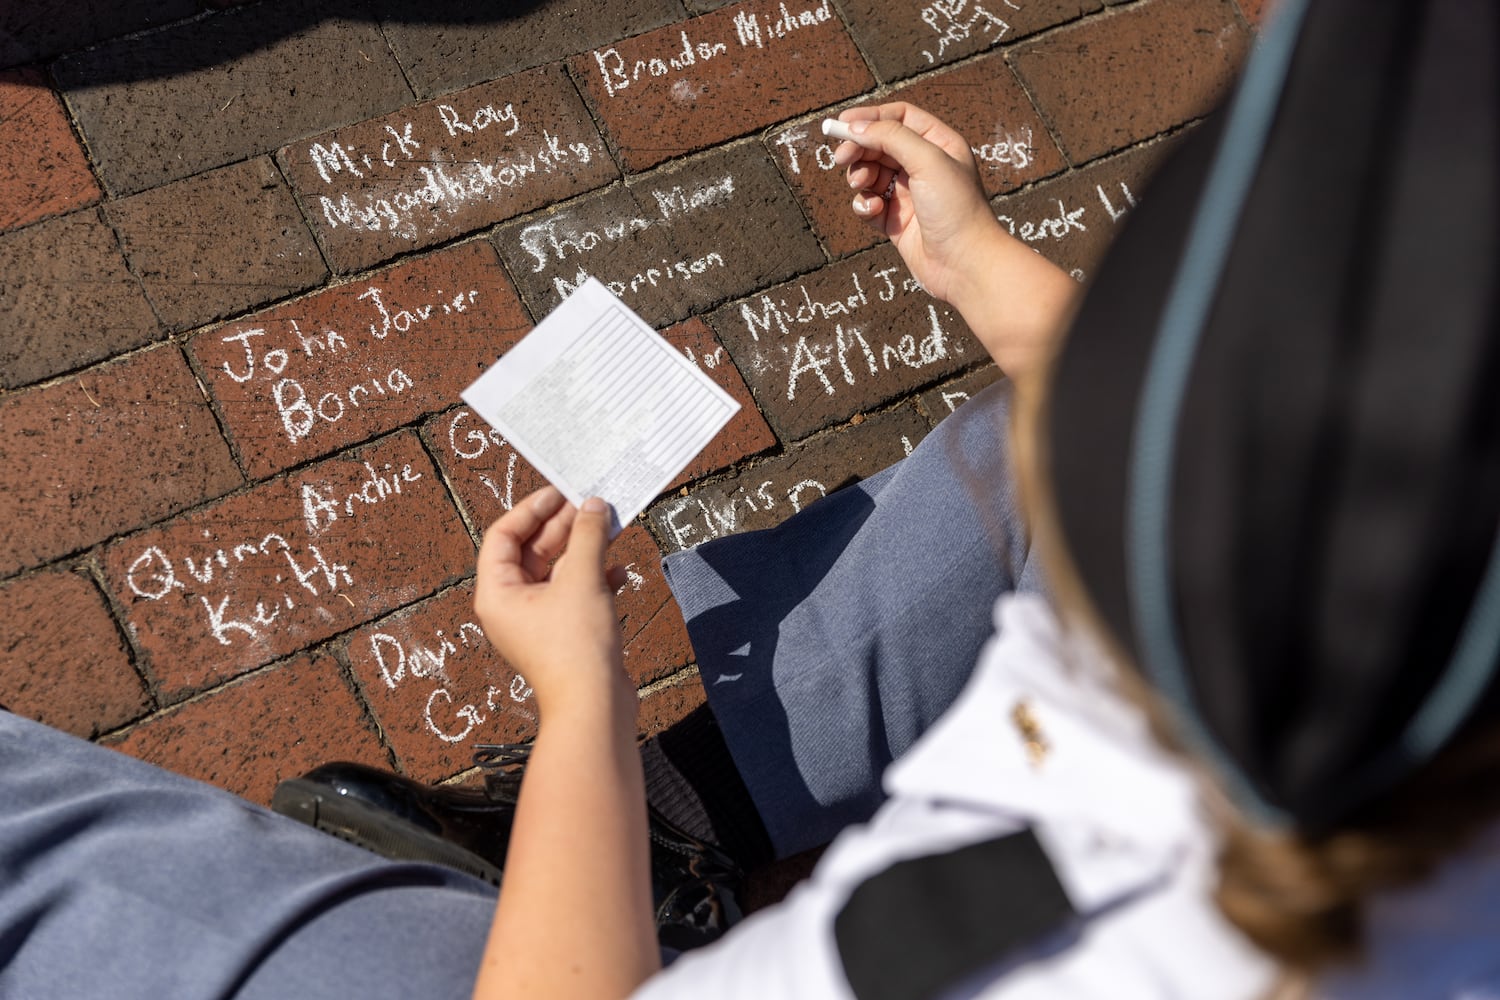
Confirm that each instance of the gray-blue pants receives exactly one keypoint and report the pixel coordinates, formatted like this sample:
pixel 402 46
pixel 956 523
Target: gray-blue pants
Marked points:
pixel 827 646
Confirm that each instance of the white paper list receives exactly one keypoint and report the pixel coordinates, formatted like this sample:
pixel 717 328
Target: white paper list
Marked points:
pixel 600 403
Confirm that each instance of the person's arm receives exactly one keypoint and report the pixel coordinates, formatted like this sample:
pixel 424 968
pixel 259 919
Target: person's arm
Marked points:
pixel 574 917
pixel 917 183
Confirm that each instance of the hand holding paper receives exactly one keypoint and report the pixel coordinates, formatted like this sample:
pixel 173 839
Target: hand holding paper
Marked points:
pixel 601 404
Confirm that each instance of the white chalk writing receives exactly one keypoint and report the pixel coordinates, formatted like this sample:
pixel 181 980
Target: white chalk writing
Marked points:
pixel 437 184
pixel 955 21
pixel 759 30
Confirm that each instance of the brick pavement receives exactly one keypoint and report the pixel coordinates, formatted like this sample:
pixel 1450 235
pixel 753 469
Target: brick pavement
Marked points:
pixel 250 252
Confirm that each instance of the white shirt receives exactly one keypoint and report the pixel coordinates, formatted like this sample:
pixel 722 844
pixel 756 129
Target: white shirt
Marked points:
pixel 1117 816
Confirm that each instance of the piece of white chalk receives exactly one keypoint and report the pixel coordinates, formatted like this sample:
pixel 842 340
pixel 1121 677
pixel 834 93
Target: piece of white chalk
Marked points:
pixel 838 130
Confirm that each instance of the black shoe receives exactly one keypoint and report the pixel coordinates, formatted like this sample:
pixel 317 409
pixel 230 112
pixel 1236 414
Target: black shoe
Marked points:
pixel 695 886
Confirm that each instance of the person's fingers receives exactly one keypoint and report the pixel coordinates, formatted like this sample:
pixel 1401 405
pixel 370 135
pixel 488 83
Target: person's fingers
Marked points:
pixel 548 542
pixel 502 552
pixel 583 562
pixel 616 577
pixel 869 175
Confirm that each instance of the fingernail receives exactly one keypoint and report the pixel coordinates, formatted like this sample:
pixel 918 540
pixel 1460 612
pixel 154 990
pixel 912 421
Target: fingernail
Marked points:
pixel 593 505
pixel 858 128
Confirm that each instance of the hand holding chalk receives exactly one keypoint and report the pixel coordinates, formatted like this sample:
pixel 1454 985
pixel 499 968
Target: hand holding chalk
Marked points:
pixel 836 129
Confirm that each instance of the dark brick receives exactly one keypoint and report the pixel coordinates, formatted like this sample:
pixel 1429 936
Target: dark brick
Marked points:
pixel 217 243
pixel 203 93
pixel 437 687
pixel 249 735
pixel 1072 219
pixel 62 660
pixel 244 581
pixel 982 101
pixel 766 493
pixel 105 451
pixel 901 39
pixel 725 74
pixel 937 403
pixel 842 340
pixel 33 30
pixel 669 702
pixel 457 42
pixel 1140 70
pixel 670 244
pixel 63 310
pixel 356 360
pixel 42 168
pixel 431 172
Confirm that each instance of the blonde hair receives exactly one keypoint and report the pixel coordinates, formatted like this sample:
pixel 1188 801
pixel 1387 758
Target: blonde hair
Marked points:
pixel 1300 899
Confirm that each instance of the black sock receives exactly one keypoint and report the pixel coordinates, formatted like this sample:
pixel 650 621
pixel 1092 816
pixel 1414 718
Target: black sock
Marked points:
pixel 692 781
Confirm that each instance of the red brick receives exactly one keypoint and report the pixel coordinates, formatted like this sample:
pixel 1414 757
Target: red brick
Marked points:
pixel 438 170
pixel 289 563
pixel 60 311
pixel 1137 71
pixel 670 244
pixel 1256 11
pixel 939 402
pixel 1073 219
pixel 725 74
pixel 660 648
pixel 644 595
pixel 473 42
pixel 437 687
pixel 105 451
pixel 905 38
pixel 309 377
pixel 249 735
pixel 766 493
pixel 842 340
pixel 62 660
pixel 43 170
pixel 256 249
pixel 667 703
pixel 167 104
pixel 982 101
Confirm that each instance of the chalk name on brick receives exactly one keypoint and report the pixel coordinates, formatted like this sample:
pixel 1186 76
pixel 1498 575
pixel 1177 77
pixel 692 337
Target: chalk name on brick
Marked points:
pixel 1072 219
pixel 670 244
pixel 287 564
pixel 357 360
pixel 842 340
pixel 719 76
pixel 435 684
pixel 903 39
pixel 447 167
pixel 769 492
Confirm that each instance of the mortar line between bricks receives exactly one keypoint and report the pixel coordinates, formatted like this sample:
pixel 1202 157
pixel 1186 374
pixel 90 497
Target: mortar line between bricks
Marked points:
pixel 338 651
pixel 291 189
pixel 166 710
pixel 385 37
pixel 90 564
